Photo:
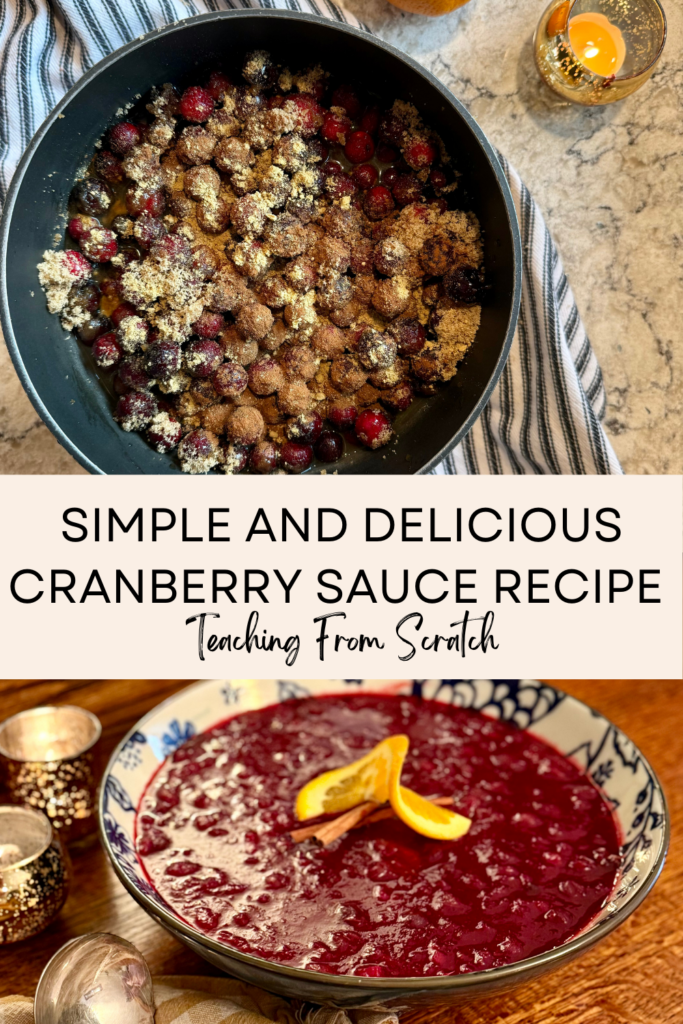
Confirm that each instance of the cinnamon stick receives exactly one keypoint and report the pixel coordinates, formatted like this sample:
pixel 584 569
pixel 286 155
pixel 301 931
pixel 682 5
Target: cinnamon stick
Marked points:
pixel 366 813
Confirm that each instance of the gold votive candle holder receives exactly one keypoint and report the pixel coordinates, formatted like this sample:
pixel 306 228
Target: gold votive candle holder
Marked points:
pixel 595 52
pixel 34 873
pixel 48 761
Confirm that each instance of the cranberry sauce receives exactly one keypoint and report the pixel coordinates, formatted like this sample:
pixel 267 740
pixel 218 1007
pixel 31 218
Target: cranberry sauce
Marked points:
pixel 539 861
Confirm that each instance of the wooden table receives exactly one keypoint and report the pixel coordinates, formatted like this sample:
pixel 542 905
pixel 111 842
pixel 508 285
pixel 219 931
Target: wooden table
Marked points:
pixel 634 977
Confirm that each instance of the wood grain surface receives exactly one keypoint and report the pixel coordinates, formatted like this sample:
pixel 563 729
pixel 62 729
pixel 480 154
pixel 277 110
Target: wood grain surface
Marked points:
pixel 634 977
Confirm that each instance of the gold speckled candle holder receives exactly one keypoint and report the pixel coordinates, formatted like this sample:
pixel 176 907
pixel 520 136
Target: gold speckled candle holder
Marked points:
pixel 34 873
pixel 48 762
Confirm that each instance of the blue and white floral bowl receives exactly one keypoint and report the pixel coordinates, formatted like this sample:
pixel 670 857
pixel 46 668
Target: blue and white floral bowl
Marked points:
pixel 580 733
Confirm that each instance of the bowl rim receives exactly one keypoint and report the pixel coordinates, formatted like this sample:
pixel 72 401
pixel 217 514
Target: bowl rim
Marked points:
pixel 167 30
pixel 474 979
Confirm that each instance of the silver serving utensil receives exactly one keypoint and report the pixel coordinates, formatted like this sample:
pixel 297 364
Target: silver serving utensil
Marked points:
pixel 95 979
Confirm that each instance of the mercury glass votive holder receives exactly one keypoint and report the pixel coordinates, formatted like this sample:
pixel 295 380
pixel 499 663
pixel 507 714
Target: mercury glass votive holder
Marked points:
pixel 34 873
pixel 48 761
pixel 599 51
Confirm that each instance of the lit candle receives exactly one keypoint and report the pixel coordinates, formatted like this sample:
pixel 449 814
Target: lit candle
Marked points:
pixel 597 43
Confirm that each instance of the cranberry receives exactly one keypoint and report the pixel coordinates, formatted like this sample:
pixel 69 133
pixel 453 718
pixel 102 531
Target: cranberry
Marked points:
pixel 406 189
pixel 134 411
pixel 398 398
pixel 203 357
pixel 359 147
pixel 123 136
pixel 172 249
pixel 247 102
pixel 108 167
pixel 296 457
pixel 440 204
pixel 333 167
pixel 93 328
pixel 304 428
pixel 346 96
pixel 79 227
pixel 365 176
pixel 236 457
pixel 373 429
pixel 163 359
pixel 91 196
pixel 111 285
pixel 343 416
pixel 85 295
pixel 230 380
pixel 107 352
pixel 386 154
pixel 369 120
pixel 164 436
pixel 205 261
pixel 76 264
pixel 217 85
pixel 198 453
pixel 153 841
pixel 419 153
pixel 335 128
pixel 145 200
pixel 409 335
pixel 392 129
pixel 437 178
pixel 463 284
pixel 378 202
pixel 148 230
pixel 100 245
pixel 339 185
pixel 309 113
pixel 209 325
pixel 258 69
pixel 204 918
pixel 132 375
pixel 123 310
pixel 264 457
pixel 329 446
pixel 196 104
pixel 181 868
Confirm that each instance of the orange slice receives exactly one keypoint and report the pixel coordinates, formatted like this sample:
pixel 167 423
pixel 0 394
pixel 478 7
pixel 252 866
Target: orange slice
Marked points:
pixel 365 779
pixel 422 815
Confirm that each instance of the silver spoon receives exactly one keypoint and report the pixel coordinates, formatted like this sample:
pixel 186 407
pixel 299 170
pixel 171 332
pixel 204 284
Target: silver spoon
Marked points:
pixel 95 979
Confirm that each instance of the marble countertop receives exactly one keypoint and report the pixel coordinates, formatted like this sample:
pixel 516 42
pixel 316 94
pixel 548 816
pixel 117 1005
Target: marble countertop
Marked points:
pixel 610 183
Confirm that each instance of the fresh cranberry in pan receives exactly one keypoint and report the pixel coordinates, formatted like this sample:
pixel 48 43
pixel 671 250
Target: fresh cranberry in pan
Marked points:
pixel 107 352
pixel 108 167
pixel 406 189
pixel 99 245
pixel 335 128
pixel 329 447
pixel 85 295
pixel 310 114
pixel 218 85
pixel 134 412
pixel 145 200
pixel 203 357
pixel 419 153
pixel 345 96
pixel 91 196
pixel 76 263
pixel 463 284
pixel 172 248
pixel 339 185
pixel 230 380
pixel 196 104
pixel 148 230
pixel 369 120
pixel 265 457
pixel 163 359
pixel 209 325
pixel 386 154
pixel 343 416
pixel 122 137
pixel 365 176
pixel 296 457
pixel 132 374
pixel 333 167
pixel 78 227
pixel 409 335
pixel 373 429
pixel 437 178
pixel 123 310
pixel 398 398
pixel 316 147
pixel 235 459
pixel 164 435
pixel 392 129
pixel 304 428
pixel 378 202
pixel 359 147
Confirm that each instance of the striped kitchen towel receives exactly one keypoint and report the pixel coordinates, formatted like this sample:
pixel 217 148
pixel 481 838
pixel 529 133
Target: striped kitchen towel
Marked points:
pixel 544 415
pixel 186 1000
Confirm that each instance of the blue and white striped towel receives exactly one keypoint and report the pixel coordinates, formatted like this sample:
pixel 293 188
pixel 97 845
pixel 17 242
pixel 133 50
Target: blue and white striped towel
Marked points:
pixel 544 416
